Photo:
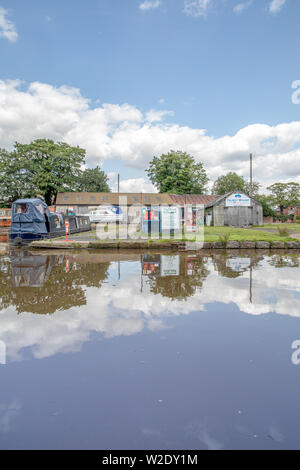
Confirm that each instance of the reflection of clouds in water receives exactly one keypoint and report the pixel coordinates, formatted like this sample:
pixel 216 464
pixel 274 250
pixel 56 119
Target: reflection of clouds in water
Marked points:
pixel 273 290
pixel 272 432
pixel 200 433
pixel 8 414
pixel 275 434
pixel 151 432
pixel 122 309
pixel 2 352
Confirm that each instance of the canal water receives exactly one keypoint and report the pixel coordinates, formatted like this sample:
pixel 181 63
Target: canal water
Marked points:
pixel 149 351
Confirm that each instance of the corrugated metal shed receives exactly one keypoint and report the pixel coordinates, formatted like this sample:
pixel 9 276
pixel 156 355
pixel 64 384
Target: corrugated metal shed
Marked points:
pixel 237 215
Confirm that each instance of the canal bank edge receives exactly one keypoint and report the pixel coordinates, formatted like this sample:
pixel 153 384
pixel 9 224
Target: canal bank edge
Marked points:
pixel 164 245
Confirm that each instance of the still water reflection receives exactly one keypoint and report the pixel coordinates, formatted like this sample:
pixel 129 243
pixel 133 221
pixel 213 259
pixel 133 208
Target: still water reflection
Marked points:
pixel 123 350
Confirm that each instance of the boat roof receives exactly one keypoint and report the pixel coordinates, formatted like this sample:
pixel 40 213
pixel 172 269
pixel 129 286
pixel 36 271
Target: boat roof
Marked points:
pixel 30 201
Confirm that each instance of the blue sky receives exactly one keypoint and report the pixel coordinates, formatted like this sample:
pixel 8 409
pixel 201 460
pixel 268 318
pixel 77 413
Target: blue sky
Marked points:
pixel 216 76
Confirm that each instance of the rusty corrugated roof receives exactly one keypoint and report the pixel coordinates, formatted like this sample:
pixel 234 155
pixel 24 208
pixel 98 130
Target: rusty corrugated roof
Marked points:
pixel 182 199
pixel 94 199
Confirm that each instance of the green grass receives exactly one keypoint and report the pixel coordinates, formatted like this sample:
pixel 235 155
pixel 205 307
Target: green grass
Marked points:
pixel 290 227
pixel 213 234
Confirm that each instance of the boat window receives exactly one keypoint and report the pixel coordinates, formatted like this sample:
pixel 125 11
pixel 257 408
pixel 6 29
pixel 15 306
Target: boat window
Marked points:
pixel 21 208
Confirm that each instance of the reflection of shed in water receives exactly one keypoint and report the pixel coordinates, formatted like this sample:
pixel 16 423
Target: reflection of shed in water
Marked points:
pixel 150 264
pixel 31 270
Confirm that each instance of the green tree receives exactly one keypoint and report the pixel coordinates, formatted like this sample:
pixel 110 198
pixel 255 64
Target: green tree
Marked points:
pixel 41 167
pixel 229 182
pixel 253 189
pixel 93 180
pixel 13 179
pixel 233 182
pixel 285 194
pixel 177 172
pixel 266 203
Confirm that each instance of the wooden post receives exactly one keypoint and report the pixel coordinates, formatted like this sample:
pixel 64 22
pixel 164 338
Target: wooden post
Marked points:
pixel 67 229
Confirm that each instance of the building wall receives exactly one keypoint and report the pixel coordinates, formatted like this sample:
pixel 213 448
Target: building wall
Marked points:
pixel 218 215
pixel 295 211
pixel 237 216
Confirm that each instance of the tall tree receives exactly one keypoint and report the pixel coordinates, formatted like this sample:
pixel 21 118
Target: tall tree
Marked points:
pixel 267 204
pixel 229 182
pixel 253 189
pixel 93 180
pixel 233 182
pixel 285 194
pixel 177 172
pixel 13 178
pixel 41 167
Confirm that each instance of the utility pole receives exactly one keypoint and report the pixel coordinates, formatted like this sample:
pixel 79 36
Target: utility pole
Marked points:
pixel 118 221
pixel 251 174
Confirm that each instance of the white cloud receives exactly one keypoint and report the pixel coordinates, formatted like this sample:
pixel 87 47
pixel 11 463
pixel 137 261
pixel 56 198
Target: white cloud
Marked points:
pixel 196 7
pixel 240 7
pixel 136 185
pixel 8 414
pixel 149 5
pixel 276 5
pixel 123 132
pixel 7 28
pixel 155 115
pixel 131 185
pixel 127 310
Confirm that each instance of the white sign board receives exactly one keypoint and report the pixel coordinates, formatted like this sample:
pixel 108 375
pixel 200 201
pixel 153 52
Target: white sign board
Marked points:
pixel 238 264
pixel 238 200
pixel 170 219
pixel 169 265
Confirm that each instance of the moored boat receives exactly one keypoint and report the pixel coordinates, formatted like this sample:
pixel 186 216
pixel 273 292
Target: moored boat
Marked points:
pixel 32 220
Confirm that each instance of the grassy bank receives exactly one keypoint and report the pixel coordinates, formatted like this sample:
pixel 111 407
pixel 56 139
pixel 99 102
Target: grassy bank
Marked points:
pixel 290 227
pixel 211 234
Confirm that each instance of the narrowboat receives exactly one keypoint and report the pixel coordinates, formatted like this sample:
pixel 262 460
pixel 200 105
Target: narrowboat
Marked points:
pixel 32 220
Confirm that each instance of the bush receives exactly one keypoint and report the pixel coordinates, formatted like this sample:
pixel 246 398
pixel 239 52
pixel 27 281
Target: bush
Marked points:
pixel 283 232
pixel 224 238
pixel 281 217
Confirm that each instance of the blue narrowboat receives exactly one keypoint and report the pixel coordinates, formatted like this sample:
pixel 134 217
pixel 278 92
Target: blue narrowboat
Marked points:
pixel 31 220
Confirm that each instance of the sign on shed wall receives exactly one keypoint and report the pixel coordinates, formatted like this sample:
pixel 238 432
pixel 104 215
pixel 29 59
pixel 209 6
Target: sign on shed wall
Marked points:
pixel 170 218
pixel 238 200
